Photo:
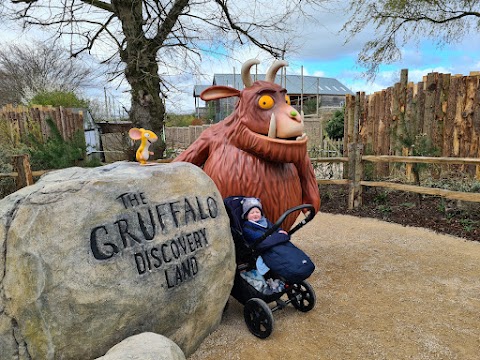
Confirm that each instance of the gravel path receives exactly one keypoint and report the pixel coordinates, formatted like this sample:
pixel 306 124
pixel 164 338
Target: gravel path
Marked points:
pixel 384 291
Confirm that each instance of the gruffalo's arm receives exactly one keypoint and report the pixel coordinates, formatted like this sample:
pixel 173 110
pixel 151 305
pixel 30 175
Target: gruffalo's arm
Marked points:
pixel 310 193
pixel 197 153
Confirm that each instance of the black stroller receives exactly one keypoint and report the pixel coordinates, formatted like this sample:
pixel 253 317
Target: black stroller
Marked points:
pixel 257 312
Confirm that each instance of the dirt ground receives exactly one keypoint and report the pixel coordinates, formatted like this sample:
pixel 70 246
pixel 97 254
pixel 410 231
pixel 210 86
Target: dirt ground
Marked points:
pixel 384 291
pixel 458 218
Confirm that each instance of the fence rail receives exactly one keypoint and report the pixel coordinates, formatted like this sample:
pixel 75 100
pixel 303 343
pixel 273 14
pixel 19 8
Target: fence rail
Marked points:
pixel 355 183
pixel 449 194
pixel 14 174
pixel 422 159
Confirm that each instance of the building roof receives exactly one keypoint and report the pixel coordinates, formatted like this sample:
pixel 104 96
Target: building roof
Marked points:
pixel 197 89
pixel 312 85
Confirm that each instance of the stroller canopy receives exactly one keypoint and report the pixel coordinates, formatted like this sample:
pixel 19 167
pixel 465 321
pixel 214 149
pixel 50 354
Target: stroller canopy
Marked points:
pixel 233 205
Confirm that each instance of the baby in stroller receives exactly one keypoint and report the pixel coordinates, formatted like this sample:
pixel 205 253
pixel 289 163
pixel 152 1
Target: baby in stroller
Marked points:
pixel 288 262
pixel 268 264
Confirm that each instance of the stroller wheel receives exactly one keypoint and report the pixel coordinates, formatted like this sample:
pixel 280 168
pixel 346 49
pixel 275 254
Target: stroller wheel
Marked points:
pixel 302 296
pixel 258 317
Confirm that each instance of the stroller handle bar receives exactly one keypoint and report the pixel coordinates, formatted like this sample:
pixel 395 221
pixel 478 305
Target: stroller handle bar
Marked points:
pixel 276 226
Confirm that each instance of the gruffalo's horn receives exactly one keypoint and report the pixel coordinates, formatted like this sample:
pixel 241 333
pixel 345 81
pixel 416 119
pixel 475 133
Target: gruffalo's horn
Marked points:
pixel 246 77
pixel 272 72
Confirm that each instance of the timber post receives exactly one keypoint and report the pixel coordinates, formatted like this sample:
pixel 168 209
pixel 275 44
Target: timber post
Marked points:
pixel 355 175
pixel 408 166
pixel 355 152
pixel 348 129
pixel 21 164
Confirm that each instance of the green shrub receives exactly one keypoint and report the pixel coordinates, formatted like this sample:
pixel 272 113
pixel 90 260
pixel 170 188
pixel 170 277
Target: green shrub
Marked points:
pixel 59 98
pixel 7 151
pixel 56 153
pixel 7 185
pixel 179 120
pixel 335 125
pixel 384 209
pixel 381 198
pixel 310 106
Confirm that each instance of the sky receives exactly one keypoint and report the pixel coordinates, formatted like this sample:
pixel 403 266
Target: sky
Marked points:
pixel 320 51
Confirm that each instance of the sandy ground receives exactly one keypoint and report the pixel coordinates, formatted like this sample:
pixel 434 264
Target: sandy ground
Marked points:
pixel 384 291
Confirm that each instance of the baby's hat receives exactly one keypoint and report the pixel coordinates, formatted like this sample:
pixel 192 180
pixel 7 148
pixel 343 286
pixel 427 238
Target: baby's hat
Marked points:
pixel 248 204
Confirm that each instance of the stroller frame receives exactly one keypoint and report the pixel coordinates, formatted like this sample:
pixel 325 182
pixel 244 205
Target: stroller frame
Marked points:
pixel 257 313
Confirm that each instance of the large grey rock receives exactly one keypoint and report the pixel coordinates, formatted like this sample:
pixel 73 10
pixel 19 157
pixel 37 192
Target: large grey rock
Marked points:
pixel 89 257
pixel 145 346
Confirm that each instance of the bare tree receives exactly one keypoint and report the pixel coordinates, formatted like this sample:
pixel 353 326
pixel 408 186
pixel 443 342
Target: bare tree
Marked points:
pixel 151 36
pixel 27 70
pixel 397 22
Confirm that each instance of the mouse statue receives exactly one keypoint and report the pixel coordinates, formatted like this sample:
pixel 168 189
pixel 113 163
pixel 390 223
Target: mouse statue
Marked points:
pixel 146 137
pixel 259 150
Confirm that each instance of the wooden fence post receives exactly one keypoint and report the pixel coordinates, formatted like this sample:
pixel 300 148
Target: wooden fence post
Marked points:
pixel 355 175
pixel 408 166
pixel 21 164
pixel 355 152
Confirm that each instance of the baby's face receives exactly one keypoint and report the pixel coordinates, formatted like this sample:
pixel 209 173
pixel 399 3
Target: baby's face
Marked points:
pixel 255 214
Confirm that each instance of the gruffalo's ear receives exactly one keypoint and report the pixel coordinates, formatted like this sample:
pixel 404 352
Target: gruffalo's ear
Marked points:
pixel 218 92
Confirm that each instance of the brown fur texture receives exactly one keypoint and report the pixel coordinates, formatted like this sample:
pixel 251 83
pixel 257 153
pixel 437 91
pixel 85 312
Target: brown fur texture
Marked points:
pixel 242 160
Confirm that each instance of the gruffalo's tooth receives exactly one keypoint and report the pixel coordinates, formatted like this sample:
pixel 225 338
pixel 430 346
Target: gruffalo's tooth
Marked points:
pixel 272 131
pixel 301 137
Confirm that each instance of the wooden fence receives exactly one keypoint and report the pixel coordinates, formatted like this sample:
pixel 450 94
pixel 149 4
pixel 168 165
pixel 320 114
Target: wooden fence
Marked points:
pixel 182 137
pixel 356 161
pixel 444 109
pixel 327 148
pixel 21 120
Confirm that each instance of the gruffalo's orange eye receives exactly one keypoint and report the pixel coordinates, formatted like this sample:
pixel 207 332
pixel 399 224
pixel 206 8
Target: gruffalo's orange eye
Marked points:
pixel 266 102
pixel 287 99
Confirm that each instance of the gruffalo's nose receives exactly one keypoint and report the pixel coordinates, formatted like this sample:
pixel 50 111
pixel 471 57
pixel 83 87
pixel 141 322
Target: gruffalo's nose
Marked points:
pixel 286 123
pixel 294 114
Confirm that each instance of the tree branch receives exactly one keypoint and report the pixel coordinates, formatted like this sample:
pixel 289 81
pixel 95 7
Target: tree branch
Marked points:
pixel 98 4
pixel 169 22
pixel 271 49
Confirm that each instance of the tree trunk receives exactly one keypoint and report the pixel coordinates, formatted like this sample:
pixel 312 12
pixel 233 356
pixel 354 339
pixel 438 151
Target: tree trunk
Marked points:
pixel 139 55
pixel 147 109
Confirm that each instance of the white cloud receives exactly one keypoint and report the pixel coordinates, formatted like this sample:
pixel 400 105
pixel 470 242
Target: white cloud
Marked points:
pixel 319 73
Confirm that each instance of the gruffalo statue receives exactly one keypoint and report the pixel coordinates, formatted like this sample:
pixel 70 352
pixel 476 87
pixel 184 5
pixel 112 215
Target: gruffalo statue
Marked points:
pixel 260 150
